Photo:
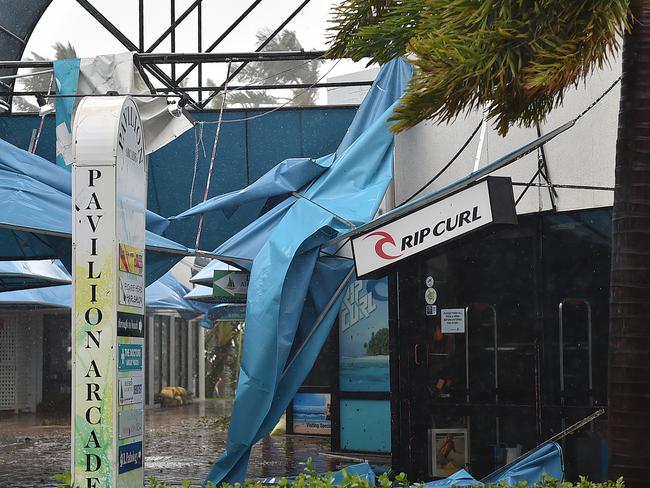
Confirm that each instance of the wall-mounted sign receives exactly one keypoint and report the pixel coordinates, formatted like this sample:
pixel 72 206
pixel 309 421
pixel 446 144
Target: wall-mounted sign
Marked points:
pixel 129 357
pixel 131 390
pixel 131 292
pixel 130 423
pixel 131 259
pixel 487 202
pixel 130 457
pixel 130 324
pixel 230 286
pixel 452 320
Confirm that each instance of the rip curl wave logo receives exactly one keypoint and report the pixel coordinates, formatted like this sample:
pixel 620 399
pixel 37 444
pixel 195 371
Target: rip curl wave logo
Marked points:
pixel 384 239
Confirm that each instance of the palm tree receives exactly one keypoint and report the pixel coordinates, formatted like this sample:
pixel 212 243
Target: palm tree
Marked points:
pixel 41 83
pixel 278 72
pixel 518 58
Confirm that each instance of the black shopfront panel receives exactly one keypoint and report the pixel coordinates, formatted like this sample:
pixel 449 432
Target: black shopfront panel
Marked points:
pixel 508 349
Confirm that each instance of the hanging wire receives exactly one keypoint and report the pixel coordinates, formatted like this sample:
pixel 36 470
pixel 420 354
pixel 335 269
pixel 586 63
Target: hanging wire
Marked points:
pixel 213 155
pixel 230 121
pixel 198 140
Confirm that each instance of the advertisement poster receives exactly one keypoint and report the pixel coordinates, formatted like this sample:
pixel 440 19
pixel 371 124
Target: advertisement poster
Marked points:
pixel 449 451
pixel 363 337
pixel 312 413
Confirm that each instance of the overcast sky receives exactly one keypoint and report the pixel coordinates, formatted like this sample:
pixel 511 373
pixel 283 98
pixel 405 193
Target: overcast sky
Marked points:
pixel 66 20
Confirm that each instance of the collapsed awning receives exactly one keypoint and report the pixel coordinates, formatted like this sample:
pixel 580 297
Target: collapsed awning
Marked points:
pixel 168 294
pixel 20 275
pixel 36 215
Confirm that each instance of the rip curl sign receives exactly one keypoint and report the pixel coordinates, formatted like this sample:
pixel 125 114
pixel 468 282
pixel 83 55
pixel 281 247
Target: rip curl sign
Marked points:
pixel 487 202
pixel 109 198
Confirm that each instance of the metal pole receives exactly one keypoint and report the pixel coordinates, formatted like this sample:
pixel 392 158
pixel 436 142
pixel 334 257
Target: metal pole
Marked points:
pixel 259 48
pixel 201 353
pixel 175 23
pixel 220 38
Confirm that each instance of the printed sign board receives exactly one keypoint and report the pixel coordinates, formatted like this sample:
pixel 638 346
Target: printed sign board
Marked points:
pixel 230 286
pixel 131 259
pixel 130 423
pixel 131 390
pixel 130 324
pixel 130 457
pixel 129 357
pixel 131 290
pixel 109 205
pixel 452 320
pixel 487 202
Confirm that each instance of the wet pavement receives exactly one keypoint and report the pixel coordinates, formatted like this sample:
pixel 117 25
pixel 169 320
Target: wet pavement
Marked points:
pixel 180 443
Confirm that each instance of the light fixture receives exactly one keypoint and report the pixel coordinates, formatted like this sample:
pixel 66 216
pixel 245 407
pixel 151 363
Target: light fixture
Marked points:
pixel 176 108
pixel 45 108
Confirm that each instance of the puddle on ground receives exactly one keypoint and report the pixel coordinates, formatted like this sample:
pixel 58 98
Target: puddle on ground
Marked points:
pixel 180 443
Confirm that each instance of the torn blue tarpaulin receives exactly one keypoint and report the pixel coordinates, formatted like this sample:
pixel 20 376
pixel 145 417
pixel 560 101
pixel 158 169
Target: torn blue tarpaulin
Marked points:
pixel 294 293
pixel 20 275
pixel 58 297
pixel 167 293
pixel 288 176
pixel 36 215
pixel 459 478
pixel 531 467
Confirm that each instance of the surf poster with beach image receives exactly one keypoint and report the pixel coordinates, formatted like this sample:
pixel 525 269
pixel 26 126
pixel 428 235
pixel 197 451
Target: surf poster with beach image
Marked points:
pixel 363 337
pixel 312 413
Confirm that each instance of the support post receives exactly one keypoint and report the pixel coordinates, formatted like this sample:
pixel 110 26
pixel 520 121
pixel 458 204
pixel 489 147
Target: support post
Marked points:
pixel 151 356
pixel 109 202
pixel 201 353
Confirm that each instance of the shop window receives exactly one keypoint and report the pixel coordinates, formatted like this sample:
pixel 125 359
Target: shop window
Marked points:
pixel 363 337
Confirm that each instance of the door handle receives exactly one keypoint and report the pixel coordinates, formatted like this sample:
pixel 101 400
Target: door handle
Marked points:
pixel 416 354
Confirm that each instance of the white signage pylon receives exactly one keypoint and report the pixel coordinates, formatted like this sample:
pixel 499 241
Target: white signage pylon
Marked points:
pixel 108 240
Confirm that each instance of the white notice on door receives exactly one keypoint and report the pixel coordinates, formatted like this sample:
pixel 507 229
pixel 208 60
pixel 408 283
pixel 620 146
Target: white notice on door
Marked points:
pixel 452 320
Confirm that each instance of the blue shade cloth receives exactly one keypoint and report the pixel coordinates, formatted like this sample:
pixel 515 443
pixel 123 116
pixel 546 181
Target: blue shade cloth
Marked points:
pixel 544 460
pixel 459 478
pixel 49 297
pixel 66 73
pixel 288 176
pixel 200 293
pixel 167 293
pixel 16 161
pixel 18 275
pixel 363 470
pixel 36 219
pixel 291 284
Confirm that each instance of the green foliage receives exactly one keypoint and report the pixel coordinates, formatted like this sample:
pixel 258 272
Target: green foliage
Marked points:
pixel 310 478
pixel 514 57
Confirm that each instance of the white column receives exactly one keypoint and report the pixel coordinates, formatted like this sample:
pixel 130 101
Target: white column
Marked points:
pixel 189 356
pixel 172 351
pixel 201 353
pixel 151 355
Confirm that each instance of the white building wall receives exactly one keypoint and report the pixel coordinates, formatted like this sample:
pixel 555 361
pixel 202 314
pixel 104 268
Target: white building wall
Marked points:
pixel 582 156
pixel 350 95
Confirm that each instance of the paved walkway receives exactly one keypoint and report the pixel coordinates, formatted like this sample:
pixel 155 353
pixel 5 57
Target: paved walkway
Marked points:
pixel 180 443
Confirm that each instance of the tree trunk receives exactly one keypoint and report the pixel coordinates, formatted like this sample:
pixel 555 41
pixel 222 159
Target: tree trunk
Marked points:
pixel 629 351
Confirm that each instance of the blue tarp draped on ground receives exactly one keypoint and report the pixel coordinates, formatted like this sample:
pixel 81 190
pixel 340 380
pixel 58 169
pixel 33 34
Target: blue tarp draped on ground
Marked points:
pixel 36 219
pixel 544 460
pixel 291 284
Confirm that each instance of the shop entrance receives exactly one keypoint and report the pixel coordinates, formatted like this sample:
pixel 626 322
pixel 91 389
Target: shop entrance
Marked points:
pixel 501 342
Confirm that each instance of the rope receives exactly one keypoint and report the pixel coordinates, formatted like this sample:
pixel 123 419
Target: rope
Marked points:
pixel 25 75
pixel 213 155
pixel 40 125
pixel 593 104
pixel 198 139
